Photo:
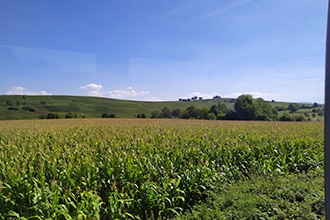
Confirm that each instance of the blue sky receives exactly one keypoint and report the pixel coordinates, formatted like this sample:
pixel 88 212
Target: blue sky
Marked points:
pixel 164 50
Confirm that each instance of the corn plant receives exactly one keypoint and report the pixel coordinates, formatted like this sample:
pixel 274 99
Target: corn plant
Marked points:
pixel 140 169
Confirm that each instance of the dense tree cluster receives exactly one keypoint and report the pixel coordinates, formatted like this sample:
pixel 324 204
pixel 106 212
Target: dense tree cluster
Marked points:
pixel 141 115
pixel 248 108
pixel 245 108
pixel 106 115
pixel 49 116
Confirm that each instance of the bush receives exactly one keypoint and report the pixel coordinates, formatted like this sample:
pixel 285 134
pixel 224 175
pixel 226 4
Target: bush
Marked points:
pixel 211 116
pixel 112 115
pixel 286 117
pixel 141 115
pixel 27 108
pixel 105 115
pixel 52 116
pixel 69 115
pixel 299 118
pixel 12 108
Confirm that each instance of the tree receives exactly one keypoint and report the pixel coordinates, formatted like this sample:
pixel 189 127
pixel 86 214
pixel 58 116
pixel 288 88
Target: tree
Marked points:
pixel 293 107
pixel 245 107
pixel 176 113
pixel 203 113
pixel 166 113
pixel 211 116
pixel 154 114
pixel 190 112
pixel 264 111
pixel 231 115
pixel 105 115
pixel 222 109
pixel 315 105
pixel 141 115
pixel 68 115
pixel 112 115
pixel 299 118
pixel 286 117
pixel 320 113
pixel 52 116
pixel 214 110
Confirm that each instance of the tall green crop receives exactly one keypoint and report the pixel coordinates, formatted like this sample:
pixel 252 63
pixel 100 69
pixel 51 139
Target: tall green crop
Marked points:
pixel 140 169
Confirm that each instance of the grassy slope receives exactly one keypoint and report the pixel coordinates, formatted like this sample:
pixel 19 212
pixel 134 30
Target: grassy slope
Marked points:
pixel 93 107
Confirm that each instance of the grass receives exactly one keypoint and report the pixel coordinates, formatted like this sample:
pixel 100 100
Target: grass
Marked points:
pixel 272 196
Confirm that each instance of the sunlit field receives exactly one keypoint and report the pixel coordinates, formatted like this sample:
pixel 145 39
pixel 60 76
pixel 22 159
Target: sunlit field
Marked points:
pixel 152 169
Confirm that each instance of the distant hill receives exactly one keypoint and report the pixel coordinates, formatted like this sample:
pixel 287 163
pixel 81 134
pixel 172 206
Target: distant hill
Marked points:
pixel 34 107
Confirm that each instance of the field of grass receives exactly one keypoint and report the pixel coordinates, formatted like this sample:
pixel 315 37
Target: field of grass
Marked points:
pixel 159 169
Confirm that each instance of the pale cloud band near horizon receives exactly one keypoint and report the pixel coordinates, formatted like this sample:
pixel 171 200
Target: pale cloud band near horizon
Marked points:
pixel 97 90
pixel 20 90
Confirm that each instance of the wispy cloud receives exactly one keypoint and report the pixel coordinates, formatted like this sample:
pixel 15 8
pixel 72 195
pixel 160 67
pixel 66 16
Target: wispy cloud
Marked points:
pixel 173 13
pixel 307 60
pixel 231 5
pixel 19 90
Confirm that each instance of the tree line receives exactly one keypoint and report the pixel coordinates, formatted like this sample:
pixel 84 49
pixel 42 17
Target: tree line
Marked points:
pixel 245 108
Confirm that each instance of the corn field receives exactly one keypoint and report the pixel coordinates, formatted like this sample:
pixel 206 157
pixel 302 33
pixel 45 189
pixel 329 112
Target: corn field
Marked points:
pixel 140 169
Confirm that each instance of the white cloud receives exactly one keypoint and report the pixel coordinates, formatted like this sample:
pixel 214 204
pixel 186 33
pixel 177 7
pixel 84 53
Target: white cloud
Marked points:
pixel 92 86
pixel 155 99
pixel 97 90
pixel 19 90
pixel 125 93
pixel 255 94
pixel 200 94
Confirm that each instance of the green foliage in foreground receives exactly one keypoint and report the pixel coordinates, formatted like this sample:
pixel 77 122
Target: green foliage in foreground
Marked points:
pixel 272 196
pixel 150 169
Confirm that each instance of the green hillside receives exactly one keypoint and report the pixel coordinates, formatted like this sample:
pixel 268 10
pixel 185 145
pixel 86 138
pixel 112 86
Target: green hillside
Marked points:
pixel 32 107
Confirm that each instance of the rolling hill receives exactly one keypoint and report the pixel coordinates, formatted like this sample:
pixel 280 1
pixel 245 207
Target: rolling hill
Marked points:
pixel 33 107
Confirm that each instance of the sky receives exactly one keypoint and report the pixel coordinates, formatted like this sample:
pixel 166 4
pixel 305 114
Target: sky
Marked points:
pixel 163 50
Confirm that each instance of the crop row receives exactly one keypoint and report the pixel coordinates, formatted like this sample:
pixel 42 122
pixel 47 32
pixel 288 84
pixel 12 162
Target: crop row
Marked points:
pixel 139 169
